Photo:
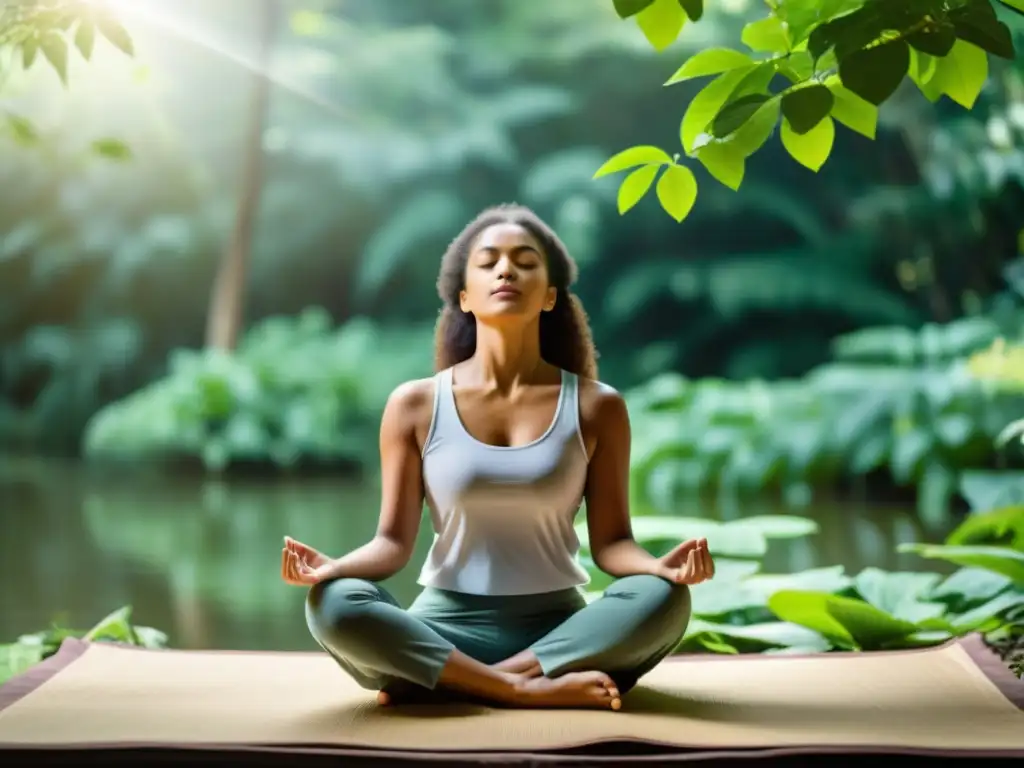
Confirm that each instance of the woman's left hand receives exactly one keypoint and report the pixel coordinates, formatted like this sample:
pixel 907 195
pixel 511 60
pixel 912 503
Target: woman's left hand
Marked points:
pixel 689 563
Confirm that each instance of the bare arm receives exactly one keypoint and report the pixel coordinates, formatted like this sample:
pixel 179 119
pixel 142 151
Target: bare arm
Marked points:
pixel 401 494
pixel 607 491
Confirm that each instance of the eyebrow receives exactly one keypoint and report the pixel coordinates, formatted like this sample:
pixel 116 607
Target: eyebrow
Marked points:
pixel 516 250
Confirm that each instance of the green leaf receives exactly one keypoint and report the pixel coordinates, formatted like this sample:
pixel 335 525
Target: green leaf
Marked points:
pixel 85 38
pixel 936 40
pixel 853 112
pixel 779 526
pixel 56 52
pixel 677 191
pixel 971 620
pixel 1000 560
pixel 635 186
pixel 962 74
pixel 874 74
pixel 813 148
pixel 694 8
pixel 756 131
pixel 900 594
pixel 112 149
pixel 22 130
pixel 17 658
pixel 810 609
pixel 1014 5
pixel 871 628
pixel 29 49
pixel 712 61
pixel 706 104
pixel 772 633
pixel 971 585
pixel 661 22
pixel 723 162
pixel 804 107
pixel 632 157
pixel 116 627
pixel 1001 527
pixel 115 34
pixel 830 580
pixel 986 32
pixel 734 114
pixel 768 35
pixel 627 8
pixel 922 70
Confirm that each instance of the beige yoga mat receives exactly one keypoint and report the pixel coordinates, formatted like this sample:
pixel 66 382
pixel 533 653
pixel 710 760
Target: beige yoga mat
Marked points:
pixel 956 698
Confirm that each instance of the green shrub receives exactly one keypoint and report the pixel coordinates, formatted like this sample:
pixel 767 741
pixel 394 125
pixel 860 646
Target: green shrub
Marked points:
pixel 296 392
pixel 29 650
pixel 892 400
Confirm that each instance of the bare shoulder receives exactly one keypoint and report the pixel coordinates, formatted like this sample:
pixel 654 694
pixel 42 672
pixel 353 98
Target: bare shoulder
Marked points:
pixel 602 411
pixel 410 408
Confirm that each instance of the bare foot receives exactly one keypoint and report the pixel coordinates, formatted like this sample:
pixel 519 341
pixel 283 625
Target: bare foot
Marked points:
pixel 594 690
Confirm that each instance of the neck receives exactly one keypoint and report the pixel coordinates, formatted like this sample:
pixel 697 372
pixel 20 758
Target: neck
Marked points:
pixel 506 356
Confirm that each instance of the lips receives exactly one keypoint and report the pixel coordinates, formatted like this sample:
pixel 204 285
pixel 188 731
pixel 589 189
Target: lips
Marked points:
pixel 505 290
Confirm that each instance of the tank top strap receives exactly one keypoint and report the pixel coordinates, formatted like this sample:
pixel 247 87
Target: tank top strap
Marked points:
pixel 443 411
pixel 570 412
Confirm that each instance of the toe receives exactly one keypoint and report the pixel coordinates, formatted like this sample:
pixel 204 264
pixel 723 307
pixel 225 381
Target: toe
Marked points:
pixel 616 703
pixel 383 699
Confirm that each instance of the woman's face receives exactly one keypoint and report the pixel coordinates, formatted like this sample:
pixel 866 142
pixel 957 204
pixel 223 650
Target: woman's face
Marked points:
pixel 506 276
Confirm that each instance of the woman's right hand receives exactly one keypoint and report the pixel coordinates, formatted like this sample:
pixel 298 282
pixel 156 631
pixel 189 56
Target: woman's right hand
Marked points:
pixel 301 565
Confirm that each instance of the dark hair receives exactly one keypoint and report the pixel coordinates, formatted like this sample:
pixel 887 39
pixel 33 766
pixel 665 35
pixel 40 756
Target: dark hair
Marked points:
pixel 565 338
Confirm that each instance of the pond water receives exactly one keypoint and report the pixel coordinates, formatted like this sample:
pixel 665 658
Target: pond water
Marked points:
pixel 199 558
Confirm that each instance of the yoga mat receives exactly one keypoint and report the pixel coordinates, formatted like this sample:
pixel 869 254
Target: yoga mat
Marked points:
pixel 953 700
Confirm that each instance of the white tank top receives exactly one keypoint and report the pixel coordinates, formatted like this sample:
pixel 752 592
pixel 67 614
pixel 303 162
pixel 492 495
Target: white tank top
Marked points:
pixel 503 516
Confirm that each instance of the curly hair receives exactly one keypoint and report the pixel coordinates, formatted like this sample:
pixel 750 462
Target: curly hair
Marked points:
pixel 565 337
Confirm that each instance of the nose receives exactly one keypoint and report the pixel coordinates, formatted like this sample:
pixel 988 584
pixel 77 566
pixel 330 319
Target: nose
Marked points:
pixel 506 269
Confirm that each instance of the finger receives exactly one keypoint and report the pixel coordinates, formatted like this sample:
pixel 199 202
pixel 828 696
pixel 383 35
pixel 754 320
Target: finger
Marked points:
pixel 709 564
pixel 687 569
pixel 683 550
pixel 284 563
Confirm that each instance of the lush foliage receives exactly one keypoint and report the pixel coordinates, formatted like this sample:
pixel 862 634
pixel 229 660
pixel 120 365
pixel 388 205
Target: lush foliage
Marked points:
pixel 901 402
pixel 296 392
pixel 744 610
pixel 54 30
pixel 30 649
pixel 808 65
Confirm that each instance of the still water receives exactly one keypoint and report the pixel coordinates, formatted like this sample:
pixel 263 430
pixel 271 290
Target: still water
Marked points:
pixel 200 559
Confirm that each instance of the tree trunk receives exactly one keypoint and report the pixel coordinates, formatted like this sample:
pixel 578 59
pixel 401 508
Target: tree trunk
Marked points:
pixel 227 299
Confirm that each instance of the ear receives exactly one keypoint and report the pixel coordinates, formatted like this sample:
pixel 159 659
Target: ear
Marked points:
pixel 462 301
pixel 551 299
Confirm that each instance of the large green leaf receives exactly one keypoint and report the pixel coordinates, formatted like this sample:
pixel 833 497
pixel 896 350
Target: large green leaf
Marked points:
pixel 811 148
pixel 901 595
pixel 661 22
pixel 846 622
pixel 875 73
pixel 1003 560
pixel 635 186
pixel 1000 527
pixel 677 191
pixel 778 634
pixel 806 106
pixel 633 157
pixel 711 61
pixel 706 104
pixel 971 585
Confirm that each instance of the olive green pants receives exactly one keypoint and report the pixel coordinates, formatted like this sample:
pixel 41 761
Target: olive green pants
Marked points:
pixel 624 633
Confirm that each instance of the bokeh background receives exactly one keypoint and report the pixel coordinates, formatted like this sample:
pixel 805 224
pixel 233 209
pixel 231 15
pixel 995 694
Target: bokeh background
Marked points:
pixel 802 346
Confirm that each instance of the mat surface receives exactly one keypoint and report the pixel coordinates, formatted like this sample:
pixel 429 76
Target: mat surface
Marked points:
pixel 955 699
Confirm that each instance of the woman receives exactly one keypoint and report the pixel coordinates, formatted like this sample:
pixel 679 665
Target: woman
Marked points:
pixel 504 443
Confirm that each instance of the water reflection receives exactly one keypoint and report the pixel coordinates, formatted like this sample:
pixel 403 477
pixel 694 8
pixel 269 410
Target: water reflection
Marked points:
pixel 199 558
